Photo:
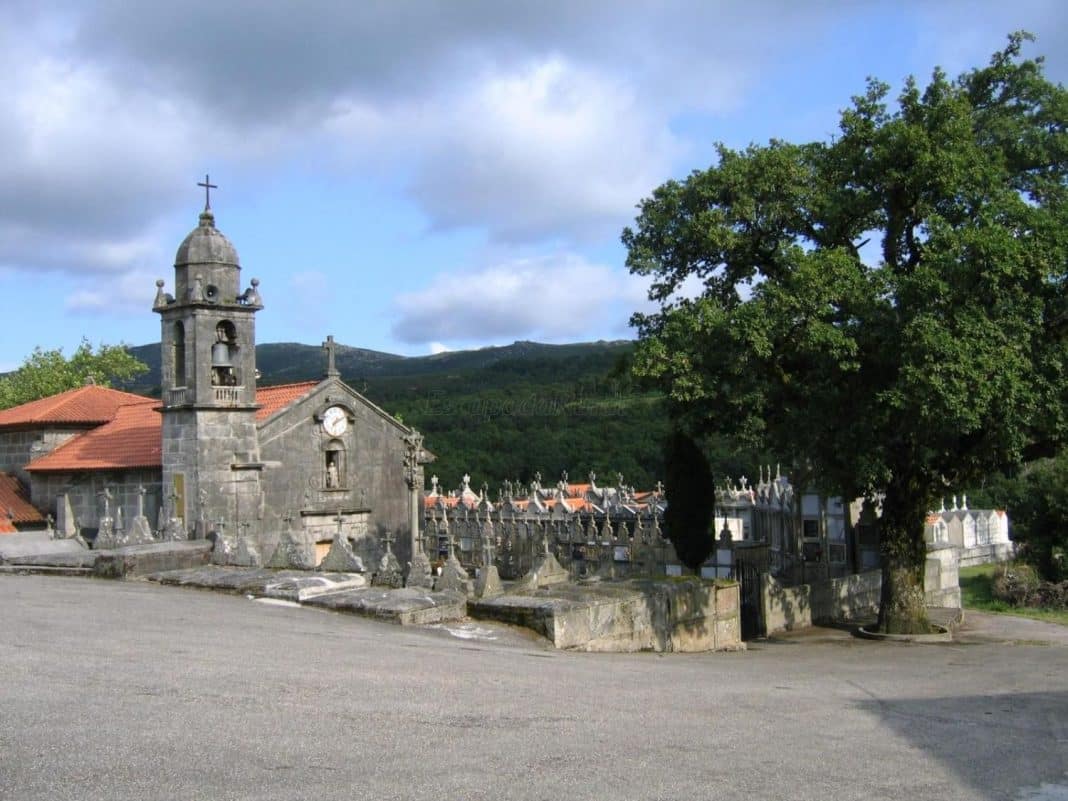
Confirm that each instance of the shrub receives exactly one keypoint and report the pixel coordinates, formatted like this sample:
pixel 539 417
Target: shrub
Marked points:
pixel 1050 595
pixel 1015 583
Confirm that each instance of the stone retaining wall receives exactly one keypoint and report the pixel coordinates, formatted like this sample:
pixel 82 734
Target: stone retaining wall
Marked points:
pixel 640 615
pixel 852 597
pixel 846 598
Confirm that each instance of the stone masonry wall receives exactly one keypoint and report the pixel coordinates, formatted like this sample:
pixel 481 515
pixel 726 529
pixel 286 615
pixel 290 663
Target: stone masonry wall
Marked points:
pixel 18 448
pixel 84 488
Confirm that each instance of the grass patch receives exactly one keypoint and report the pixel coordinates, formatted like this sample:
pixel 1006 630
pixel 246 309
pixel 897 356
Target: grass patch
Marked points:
pixel 976 592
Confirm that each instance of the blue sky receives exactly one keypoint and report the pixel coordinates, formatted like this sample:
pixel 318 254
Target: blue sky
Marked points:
pixel 409 176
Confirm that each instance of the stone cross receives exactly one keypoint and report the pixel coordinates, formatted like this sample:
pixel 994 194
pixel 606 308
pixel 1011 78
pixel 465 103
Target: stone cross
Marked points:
pixel 208 186
pixel 387 538
pixel 467 482
pixel 659 487
pixel 330 348
pixel 340 519
pixel 105 495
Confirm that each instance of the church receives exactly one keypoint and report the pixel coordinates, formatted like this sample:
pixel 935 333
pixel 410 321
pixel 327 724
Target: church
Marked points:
pixel 216 456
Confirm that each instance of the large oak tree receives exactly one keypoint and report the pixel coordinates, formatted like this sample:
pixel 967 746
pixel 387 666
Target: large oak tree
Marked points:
pixel 889 305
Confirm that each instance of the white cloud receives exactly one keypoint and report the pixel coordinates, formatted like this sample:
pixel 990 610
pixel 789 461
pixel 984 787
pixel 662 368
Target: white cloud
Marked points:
pixel 553 150
pixel 130 293
pixel 437 347
pixel 553 298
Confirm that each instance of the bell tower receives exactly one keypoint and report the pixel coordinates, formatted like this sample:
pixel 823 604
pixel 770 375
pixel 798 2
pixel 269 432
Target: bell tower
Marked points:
pixel 210 450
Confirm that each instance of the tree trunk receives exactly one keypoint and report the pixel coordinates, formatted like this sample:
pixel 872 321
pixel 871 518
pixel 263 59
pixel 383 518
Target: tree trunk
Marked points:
pixel 902 606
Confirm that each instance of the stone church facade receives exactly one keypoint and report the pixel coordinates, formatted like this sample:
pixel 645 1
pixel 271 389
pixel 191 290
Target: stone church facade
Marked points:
pixel 218 456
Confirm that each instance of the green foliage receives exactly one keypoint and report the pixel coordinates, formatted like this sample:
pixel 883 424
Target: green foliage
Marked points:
pixel 519 416
pixel 889 304
pixel 1037 499
pixel 47 372
pixel 688 520
pixel 977 592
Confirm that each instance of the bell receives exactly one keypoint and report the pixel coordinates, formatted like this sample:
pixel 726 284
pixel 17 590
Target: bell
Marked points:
pixel 220 355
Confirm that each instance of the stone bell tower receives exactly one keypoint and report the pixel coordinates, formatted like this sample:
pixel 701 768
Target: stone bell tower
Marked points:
pixel 210 452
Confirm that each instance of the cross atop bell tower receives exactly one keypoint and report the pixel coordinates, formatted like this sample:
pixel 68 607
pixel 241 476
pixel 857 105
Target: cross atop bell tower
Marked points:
pixel 208 186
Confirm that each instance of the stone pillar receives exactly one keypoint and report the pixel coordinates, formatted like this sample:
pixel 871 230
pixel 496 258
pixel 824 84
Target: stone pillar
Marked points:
pixel 419 564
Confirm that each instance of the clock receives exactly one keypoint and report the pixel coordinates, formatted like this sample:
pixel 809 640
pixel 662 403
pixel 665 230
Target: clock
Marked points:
pixel 335 421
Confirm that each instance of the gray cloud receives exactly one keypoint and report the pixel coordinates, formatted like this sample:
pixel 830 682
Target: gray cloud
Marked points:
pixel 529 121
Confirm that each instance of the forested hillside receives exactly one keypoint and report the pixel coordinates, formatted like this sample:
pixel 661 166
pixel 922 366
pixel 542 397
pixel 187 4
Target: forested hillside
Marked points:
pixel 497 413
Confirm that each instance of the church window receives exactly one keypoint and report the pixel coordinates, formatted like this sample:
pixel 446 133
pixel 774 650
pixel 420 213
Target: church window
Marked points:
pixel 179 354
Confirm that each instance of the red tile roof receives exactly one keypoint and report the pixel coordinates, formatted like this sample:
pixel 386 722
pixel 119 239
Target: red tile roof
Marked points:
pixel 132 439
pixel 89 405
pixel 274 399
pixel 15 506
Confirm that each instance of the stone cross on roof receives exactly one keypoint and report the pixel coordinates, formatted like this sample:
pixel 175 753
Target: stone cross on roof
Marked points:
pixel 208 186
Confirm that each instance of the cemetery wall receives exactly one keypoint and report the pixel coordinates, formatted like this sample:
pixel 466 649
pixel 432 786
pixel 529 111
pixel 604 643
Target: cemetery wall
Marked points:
pixel 849 597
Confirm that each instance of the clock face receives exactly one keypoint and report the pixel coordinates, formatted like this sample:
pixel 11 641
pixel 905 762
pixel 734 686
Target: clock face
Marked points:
pixel 335 421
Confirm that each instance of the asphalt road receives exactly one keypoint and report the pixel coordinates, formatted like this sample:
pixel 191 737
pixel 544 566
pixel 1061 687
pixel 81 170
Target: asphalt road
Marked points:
pixel 113 690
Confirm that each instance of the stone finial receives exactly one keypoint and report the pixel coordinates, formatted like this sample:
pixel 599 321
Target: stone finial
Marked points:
pixel 195 292
pixel 964 503
pixel 466 483
pixel 162 298
pixel 434 486
pixel 593 480
pixel 955 507
pixel 251 296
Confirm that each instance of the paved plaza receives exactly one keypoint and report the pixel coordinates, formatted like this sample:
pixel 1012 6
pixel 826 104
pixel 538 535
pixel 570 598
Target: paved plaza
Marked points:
pixel 130 690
